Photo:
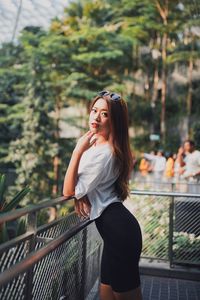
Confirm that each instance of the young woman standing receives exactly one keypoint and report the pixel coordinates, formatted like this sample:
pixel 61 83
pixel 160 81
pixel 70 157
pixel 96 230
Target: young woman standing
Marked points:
pixel 98 176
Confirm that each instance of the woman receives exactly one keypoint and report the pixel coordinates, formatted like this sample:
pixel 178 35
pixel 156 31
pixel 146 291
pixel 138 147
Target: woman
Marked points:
pixel 97 176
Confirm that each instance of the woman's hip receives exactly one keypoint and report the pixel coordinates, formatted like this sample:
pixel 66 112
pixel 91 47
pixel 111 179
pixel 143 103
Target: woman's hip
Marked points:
pixel 118 227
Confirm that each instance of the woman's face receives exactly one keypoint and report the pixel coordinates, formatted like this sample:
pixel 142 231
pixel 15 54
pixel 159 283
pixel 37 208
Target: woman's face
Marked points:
pixel 99 118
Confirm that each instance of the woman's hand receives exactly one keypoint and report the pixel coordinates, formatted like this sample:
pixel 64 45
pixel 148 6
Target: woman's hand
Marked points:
pixel 82 207
pixel 85 142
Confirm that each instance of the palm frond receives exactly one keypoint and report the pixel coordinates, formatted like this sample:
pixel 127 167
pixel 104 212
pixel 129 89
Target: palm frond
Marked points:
pixel 13 203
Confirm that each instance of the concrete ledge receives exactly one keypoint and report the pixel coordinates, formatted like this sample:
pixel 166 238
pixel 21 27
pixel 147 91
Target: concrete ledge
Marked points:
pixel 162 269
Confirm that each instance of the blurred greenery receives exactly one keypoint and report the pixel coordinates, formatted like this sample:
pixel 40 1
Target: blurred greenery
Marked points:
pixel 146 50
pixel 153 213
pixel 17 227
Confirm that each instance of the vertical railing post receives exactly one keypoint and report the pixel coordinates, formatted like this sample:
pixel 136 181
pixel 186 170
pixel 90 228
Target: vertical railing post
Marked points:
pixel 172 186
pixel 83 263
pixel 171 229
pixel 31 226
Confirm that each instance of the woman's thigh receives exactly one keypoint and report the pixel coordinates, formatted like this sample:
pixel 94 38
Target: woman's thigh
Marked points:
pixel 119 227
pixel 106 293
pixel 130 295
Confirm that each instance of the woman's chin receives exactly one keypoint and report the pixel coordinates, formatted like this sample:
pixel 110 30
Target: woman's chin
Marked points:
pixel 94 130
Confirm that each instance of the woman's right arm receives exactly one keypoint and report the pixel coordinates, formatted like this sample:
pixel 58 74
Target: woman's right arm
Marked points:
pixel 71 174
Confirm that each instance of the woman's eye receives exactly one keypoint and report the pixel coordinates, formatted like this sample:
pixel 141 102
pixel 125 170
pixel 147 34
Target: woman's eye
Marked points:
pixel 94 110
pixel 104 114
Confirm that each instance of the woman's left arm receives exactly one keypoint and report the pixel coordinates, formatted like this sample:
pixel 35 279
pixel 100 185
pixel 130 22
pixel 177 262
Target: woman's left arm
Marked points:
pixel 72 172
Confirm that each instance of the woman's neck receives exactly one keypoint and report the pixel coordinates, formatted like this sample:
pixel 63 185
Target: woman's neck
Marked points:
pixel 102 140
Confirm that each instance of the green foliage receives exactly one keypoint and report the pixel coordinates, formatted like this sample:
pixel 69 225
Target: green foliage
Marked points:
pixel 153 214
pixel 186 245
pixel 141 142
pixel 12 87
pixel 15 201
pixel 13 228
pixel 33 152
pixel 196 134
pixel 100 44
pixel 42 217
pixel 154 223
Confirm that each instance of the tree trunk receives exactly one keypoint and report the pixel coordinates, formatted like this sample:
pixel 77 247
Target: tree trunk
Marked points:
pixel 146 86
pixel 155 85
pixel 154 97
pixel 164 88
pixel 56 175
pixel 189 95
pixel 56 158
pixel 164 12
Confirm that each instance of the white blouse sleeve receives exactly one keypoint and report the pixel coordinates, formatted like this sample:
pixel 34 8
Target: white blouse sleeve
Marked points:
pixel 92 173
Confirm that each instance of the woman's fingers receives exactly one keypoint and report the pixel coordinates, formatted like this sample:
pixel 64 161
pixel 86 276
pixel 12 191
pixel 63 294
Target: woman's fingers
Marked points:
pixel 85 142
pixel 90 134
pixel 76 206
pixel 86 206
pixel 92 141
pixel 82 208
pixel 91 138
pixel 86 201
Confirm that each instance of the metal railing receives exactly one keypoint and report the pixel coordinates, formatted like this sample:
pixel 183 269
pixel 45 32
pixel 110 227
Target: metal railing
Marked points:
pixel 173 184
pixel 58 260
pixel 170 225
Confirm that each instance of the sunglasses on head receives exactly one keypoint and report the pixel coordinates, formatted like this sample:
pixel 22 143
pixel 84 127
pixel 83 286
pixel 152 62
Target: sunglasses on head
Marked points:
pixel 113 96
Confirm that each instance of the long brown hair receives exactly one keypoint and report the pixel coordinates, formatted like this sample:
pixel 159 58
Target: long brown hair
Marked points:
pixel 119 129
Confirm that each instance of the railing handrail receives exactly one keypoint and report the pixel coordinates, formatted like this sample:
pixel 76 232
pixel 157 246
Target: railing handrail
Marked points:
pixel 14 214
pixel 161 182
pixel 149 178
pixel 169 194
pixel 33 257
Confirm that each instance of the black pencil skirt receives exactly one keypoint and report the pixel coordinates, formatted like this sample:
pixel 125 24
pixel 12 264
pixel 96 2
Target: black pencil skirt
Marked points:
pixel 122 238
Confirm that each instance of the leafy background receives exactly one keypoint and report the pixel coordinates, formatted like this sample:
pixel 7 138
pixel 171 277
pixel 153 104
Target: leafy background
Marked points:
pixel 146 50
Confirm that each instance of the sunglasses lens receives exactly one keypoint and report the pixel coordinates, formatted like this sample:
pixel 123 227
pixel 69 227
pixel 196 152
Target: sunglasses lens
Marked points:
pixel 104 93
pixel 115 96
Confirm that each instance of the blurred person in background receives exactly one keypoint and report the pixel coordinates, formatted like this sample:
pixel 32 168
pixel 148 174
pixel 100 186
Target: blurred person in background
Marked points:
pixel 169 168
pixel 177 164
pixel 159 163
pixel 189 159
pixel 144 167
pixel 152 162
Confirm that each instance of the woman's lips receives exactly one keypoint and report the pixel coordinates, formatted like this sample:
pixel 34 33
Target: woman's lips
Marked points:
pixel 95 125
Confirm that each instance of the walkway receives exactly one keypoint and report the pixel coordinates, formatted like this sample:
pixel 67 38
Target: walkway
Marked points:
pixel 163 288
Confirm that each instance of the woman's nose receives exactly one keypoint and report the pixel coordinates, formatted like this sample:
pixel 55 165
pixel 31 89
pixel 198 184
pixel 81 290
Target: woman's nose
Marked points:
pixel 97 116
